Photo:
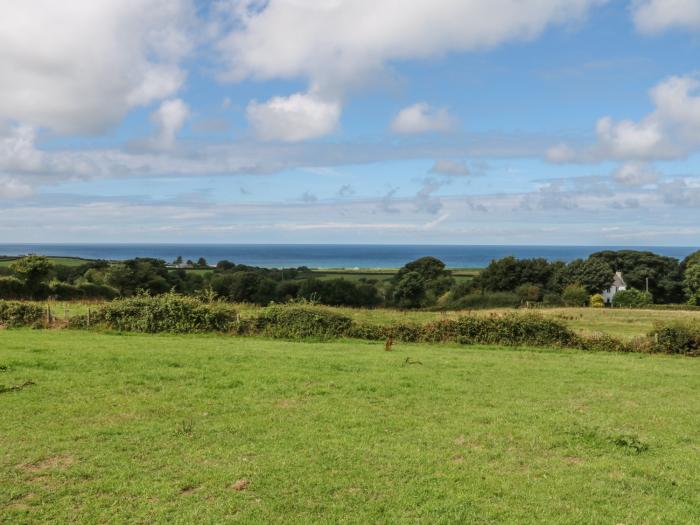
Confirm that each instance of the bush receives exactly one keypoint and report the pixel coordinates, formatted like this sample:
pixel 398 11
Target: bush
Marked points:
pixel 575 295
pixel 165 313
pixel 15 314
pixel 64 291
pixel 529 293
pixel 487 300
pixel 11 288
pixel 632 299
pixel 97 291
pixel 301 322
pixel 676 337
pixel 603 343
pixel 552 299
pixel 596 301
pixel 511 330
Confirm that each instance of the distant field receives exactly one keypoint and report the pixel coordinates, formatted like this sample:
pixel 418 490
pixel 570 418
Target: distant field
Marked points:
pixel 61 261
pixel 212 429
pixel 385 274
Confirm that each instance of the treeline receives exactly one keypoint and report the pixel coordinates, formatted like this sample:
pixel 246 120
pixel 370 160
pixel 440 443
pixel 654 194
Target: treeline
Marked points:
pixel 650 278
pixel 423 283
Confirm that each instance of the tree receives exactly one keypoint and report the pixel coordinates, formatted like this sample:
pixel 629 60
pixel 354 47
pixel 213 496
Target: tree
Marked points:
pixel 426 272
pixel 506 274
pixel 594 275
pixel 202 263
pixel 664 274
pixel 632 298
pixel 575 295
pixel 409 292
pixel 691 279
pixel 34 271
pixel 178 261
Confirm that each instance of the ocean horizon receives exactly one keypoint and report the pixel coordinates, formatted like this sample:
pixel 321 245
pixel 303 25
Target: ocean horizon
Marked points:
pixel 362 256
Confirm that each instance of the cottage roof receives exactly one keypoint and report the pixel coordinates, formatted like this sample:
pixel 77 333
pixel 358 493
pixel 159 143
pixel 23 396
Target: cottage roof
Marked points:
pixel 618 281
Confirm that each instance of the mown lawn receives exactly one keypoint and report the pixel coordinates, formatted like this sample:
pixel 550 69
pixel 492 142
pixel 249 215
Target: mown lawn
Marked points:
pixel 159 429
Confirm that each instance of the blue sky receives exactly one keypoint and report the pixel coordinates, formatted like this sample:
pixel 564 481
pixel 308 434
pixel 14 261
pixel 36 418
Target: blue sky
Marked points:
pixel 449 121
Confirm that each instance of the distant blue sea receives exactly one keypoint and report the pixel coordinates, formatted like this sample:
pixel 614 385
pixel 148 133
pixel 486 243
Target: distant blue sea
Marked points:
pixel 325 255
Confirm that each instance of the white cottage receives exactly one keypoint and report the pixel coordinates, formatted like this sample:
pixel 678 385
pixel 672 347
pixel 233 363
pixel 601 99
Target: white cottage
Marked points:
pixel 618 285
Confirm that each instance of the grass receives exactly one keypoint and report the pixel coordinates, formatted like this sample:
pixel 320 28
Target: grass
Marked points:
pixel 6 262
pixel 165 429
pixel 383 274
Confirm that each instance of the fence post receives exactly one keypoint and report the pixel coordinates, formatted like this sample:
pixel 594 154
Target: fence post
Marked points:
pixel 88 317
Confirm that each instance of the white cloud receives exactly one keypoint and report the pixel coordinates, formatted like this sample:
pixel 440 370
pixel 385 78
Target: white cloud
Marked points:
pixel 301 116
pixel 422 118
pixel 627 139
pixel 340 45
pixel 670 131
pixel 655 16
pixel 340 40
pixel 636 174
pixel 169 118
pixel 12 188
pixel 79 66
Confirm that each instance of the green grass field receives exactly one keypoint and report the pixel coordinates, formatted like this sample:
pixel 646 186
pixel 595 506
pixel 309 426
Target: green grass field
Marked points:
pixel 165 429
pixel 59 261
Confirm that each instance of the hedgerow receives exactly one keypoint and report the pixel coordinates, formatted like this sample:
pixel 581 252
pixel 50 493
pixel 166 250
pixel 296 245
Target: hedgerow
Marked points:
pixel 676 337
pixel 163 313
pixel 15 314
pixel 301 322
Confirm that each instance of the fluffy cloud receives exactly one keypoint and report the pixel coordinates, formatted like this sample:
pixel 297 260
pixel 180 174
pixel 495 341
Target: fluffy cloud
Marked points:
pixel 169 118
pixel 670 131
pixel 654 16
pixel 341 40
pixel 298 117
pixel 79 66
pixel 340 45
pixel 636 174
pixel 422 118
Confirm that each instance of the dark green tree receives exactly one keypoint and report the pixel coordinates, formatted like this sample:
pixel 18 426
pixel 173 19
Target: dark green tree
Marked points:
pixel 34 271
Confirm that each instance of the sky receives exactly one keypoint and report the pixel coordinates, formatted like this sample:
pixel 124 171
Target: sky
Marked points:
pixel 561 122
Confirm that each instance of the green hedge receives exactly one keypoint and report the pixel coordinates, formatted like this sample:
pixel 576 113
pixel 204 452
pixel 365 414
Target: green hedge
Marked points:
pixel 677 337
pixel 300 322
pixel 163 313
pixel 14 314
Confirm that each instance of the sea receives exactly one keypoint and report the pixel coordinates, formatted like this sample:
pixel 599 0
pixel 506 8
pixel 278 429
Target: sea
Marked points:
pixel 350 256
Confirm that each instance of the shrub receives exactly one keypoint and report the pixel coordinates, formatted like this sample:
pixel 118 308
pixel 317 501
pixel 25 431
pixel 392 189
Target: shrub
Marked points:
pixel 165 313
pixel 487 300
pixel 11 288
pixel 575 295
pixel 97 291
pixel 64 291
pixel 301 322
pixel 552 299
pixel 596 301
pixel 15 314
pixel 603 343
pixel 530 293
pixel 676 337
pixel 632 298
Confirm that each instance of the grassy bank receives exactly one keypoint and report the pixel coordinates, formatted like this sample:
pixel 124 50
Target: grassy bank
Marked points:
pixel 159 429
pixel 623 323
